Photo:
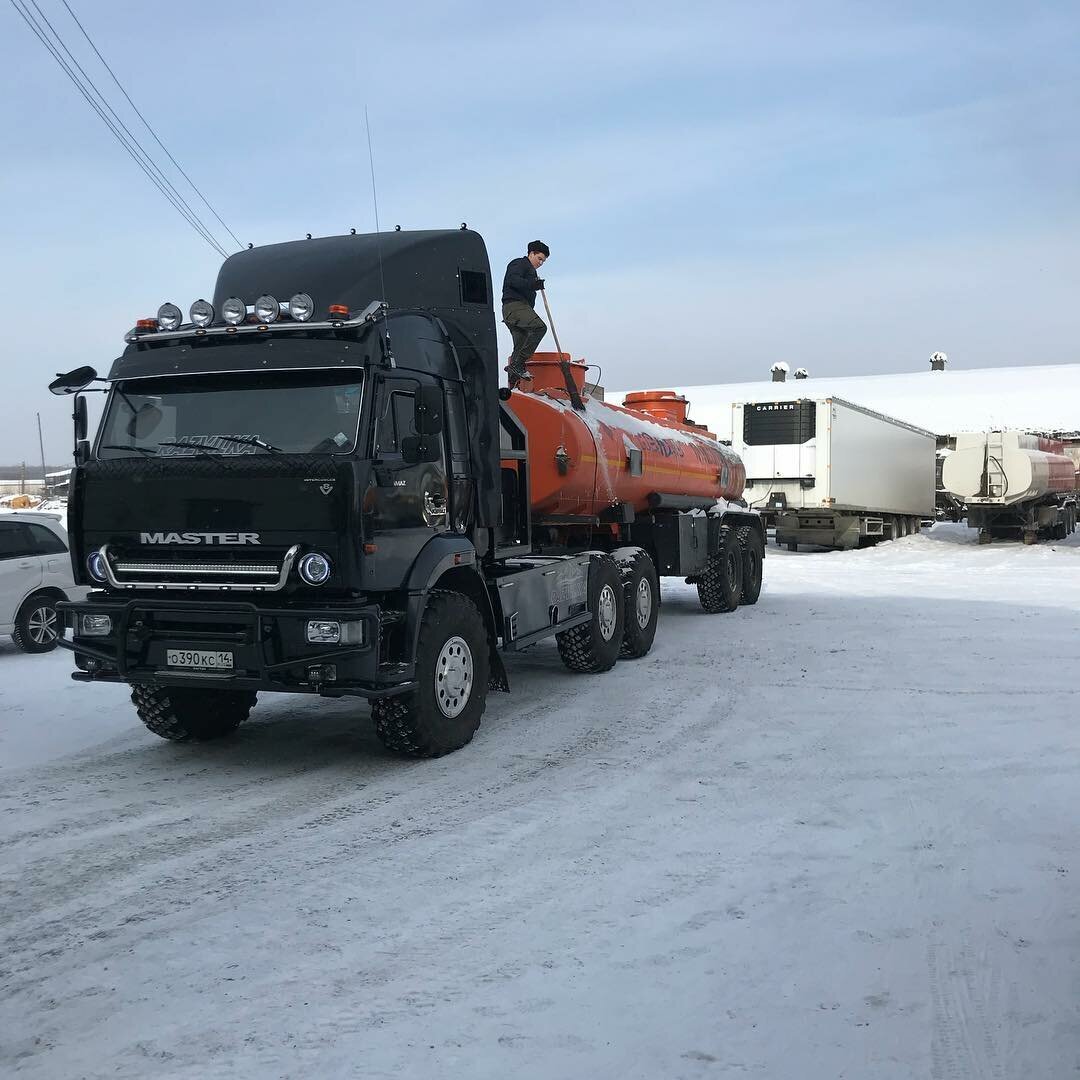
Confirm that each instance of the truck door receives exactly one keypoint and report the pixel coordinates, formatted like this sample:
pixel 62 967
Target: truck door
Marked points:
pixel 406 503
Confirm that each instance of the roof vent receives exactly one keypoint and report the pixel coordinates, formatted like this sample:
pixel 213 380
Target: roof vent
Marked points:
pixel 802 373
pixel 938 361
pixel 779 371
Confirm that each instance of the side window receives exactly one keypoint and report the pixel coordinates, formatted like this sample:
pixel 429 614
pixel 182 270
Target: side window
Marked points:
pixel 15 540
pixel 46 542
pixel 395 423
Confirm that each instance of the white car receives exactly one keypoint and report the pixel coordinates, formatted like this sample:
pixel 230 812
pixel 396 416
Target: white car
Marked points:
pixel 35 573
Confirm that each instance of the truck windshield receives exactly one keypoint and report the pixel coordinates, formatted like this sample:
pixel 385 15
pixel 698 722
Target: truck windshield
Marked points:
pixel 272 412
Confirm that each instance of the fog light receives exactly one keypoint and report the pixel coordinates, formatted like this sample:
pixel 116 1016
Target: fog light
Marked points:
pixel 95 566
pixel 315 568
pixel 301 307
pixel 234 311
pixel 169 317
pixel 321 630
pixel 96 625
pixel 201 313
pixel 267 309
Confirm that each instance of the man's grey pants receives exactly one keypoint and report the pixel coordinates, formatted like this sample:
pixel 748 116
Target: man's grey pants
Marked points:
pixel 527 329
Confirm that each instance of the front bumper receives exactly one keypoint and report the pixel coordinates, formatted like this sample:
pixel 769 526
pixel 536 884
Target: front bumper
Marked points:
pixel 268 644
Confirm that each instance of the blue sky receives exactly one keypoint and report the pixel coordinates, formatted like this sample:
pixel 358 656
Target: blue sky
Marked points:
pixel 845 186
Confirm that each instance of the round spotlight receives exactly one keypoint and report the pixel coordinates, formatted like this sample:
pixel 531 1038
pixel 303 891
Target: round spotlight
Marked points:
pixel 301 307
pixel 315 568
pixel 234 311
pixel 267 309
pixel 95 566
pixel 169 317
pixel 201 313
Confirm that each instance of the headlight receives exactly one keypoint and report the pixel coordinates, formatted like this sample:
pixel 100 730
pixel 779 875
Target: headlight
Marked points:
pixel 332 632
pixel 95 566
pixel 169 317
pixel 201 313
pixel 301 307
pixel 234 311
pixel 267 309
pixel 315 568
pixel 96 625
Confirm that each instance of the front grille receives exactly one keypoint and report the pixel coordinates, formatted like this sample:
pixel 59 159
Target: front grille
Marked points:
pixel 127 573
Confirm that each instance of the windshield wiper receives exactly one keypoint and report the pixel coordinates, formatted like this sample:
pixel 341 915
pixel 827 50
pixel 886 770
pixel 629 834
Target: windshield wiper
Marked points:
pixel 252 440
pixel 209 451
pixel 117 446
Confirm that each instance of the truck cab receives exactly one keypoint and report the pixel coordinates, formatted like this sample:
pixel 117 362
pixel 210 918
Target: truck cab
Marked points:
pixel 312 485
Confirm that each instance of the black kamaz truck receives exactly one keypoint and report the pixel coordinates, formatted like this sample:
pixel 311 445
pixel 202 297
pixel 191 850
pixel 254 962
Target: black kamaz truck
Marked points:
pixel 326 494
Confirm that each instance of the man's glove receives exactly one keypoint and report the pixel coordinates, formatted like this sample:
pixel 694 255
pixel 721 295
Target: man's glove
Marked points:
pixel 539 282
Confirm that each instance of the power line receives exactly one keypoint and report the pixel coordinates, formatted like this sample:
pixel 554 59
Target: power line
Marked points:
pixel 163 184
pixel 146 123
pixel 188 211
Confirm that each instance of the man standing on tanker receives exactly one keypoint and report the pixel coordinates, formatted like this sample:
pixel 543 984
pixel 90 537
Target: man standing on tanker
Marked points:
pixel 520 286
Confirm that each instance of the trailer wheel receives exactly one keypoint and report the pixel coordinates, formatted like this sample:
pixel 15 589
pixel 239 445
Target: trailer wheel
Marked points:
pixel 720 585
pixel 641 597
pixel 753 551
pixel 595 646
pixel 444 711
pixel 186 713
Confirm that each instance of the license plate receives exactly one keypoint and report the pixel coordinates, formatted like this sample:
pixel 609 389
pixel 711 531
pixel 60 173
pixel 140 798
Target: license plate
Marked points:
pixel 199 658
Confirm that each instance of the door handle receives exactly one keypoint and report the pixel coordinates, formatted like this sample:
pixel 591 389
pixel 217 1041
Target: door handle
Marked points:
pixel 25 565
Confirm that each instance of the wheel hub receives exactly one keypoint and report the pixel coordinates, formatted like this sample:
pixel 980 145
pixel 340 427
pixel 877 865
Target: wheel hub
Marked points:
pixel 606 610
pixel 453 677
pixel 644 603
pixel 42 625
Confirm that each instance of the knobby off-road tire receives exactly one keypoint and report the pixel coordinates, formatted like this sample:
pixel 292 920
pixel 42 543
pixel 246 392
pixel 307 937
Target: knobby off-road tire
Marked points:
pixel 594 646
pixel 37 625
pixel 641 601
pixel 186 713
pixel 720 586
pixel 452 669
pixel 753 552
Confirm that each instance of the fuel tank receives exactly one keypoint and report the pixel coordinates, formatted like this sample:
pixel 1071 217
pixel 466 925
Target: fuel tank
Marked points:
pixel 645 454
pixel 1007 467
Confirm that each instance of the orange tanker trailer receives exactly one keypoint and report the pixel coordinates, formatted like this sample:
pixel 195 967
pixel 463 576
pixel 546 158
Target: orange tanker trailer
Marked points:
pixel 640 482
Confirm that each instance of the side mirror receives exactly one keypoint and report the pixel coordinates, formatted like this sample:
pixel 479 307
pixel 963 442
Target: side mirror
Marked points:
pixel 417 448
pixel 428 415
pixel 144 421
pixel 73 381
pixel 79 416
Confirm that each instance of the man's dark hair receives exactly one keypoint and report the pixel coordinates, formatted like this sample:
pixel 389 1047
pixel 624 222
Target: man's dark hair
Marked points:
pixel 539 245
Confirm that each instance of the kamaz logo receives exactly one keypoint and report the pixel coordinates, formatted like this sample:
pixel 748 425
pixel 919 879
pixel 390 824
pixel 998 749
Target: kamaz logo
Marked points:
pixel 198 538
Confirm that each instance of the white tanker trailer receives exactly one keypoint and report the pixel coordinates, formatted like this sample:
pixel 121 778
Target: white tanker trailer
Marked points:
pixel 1014 484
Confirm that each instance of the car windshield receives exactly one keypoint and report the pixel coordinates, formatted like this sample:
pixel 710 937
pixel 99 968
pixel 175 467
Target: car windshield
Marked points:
pixel 283 412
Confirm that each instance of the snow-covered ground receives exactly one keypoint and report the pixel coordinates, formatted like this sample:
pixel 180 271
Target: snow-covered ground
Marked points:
pixel 833 835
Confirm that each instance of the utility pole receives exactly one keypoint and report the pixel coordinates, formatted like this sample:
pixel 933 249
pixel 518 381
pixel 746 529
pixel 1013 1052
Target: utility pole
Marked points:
pixel 22 480
pixel 41 447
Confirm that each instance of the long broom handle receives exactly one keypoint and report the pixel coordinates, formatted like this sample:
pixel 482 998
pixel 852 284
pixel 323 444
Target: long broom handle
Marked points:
pixel 551 322
pixel 568 378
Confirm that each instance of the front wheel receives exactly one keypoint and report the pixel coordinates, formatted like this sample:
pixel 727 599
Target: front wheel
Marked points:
pixel 452 664
pixel 720 586
pixel 594 646
pixel 37 625
pixel 186 713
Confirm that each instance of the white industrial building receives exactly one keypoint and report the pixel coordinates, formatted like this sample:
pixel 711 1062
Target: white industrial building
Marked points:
pixel 1043 397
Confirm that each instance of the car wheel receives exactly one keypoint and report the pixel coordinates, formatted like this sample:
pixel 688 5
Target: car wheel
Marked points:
pixel 37 626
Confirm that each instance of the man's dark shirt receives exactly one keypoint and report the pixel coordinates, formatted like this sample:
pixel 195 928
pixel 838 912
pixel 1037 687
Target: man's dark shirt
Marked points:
pixel 520 283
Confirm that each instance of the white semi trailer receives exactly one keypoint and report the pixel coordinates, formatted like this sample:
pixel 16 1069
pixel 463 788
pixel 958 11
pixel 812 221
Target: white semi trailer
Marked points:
pixel 832 473
pixel 1014 485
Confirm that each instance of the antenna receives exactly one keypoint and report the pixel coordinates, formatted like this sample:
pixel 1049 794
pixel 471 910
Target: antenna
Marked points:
pixel 378 237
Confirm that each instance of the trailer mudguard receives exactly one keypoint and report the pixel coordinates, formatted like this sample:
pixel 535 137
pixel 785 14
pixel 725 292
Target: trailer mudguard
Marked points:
pixel 449 562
